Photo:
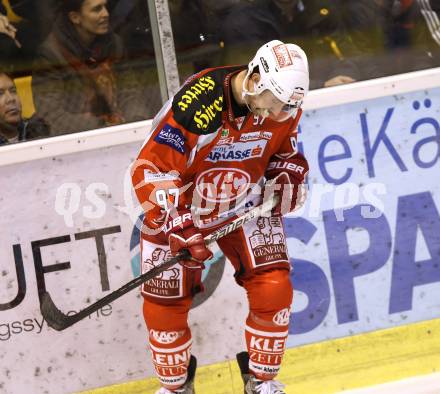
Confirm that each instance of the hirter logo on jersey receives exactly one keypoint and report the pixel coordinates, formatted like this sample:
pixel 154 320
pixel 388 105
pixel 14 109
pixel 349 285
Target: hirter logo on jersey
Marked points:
pixel 172 137
pixel 238 151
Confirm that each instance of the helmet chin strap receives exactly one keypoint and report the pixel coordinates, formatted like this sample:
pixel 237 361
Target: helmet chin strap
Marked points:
pixel 245 92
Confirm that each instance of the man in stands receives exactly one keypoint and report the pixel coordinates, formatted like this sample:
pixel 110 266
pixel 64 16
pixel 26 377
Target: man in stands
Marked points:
pixel 212 152
pixel 13 128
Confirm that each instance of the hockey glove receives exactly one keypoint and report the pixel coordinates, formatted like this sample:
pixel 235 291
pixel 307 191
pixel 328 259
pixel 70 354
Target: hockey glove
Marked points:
pixel 182 234
pixel 285 177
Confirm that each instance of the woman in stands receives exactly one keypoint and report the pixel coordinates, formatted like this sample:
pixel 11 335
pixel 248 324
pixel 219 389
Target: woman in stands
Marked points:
pixel 77 80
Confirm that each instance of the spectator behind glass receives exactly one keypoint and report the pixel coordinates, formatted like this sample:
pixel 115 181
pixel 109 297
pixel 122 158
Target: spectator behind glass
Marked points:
pixel 13 127
pixel 9 44
pixel 194 42
pixel 314 25
pixel 395 36
pixel 193 31
pixel 80 81
pixel 23 27
pixel 413 34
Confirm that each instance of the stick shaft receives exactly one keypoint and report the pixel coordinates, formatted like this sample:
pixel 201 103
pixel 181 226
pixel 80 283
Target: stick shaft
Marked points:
pixel 59 321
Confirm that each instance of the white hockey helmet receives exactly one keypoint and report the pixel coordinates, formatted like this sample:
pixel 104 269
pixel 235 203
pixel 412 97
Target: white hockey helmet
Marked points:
pixel 283 70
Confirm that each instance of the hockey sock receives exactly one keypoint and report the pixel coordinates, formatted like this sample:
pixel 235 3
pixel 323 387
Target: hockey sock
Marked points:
pixel 265 348
pixel 171 352
pixel 267 326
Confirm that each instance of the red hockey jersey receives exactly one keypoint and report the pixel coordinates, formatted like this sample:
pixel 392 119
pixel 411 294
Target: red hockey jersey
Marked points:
pixel 199 154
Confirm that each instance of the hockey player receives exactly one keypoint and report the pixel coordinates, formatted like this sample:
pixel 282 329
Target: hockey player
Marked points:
pixel 212 150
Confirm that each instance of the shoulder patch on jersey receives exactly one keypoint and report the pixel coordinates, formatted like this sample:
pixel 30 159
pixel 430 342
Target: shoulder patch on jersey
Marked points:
pixel 199 104
pixel 172 137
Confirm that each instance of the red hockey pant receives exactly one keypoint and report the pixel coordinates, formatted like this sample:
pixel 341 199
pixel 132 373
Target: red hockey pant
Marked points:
pixel 259 255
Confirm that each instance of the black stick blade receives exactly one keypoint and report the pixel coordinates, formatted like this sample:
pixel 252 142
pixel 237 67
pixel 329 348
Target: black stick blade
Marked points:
pixel 53 316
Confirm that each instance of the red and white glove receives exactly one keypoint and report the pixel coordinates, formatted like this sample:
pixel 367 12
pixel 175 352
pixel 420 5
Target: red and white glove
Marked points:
pixel 285 177
pixel 182 234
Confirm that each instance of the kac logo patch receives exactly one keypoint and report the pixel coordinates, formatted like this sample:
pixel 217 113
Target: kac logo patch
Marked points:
pixel 172 137
pixel 222 184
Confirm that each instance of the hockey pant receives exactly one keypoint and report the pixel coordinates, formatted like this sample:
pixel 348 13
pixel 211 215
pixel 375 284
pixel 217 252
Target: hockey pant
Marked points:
pixel 258 253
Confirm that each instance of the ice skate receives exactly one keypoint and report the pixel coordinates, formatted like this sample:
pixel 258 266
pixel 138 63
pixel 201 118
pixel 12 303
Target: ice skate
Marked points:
pixel 188 387
pixel 252 385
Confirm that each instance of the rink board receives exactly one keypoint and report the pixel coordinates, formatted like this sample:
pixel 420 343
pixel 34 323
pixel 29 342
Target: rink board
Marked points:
pixel 330 366
pixel 365 252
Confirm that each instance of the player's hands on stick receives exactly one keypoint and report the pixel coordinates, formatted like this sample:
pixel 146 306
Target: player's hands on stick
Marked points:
pixel 182 234
pixel 285 177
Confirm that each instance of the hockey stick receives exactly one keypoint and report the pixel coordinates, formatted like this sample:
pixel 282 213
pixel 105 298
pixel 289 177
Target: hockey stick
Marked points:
pixel 60 321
